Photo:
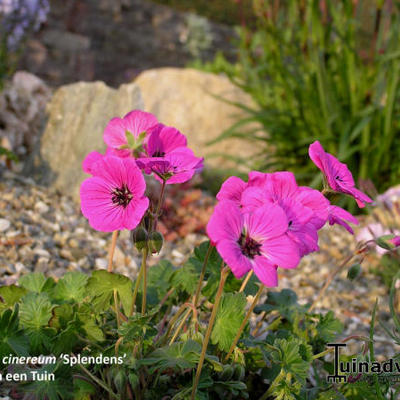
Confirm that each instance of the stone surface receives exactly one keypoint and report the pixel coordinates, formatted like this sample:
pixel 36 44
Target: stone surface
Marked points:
pixel 114 40
pixel 77 116
pixel 184 98
pixel 22 112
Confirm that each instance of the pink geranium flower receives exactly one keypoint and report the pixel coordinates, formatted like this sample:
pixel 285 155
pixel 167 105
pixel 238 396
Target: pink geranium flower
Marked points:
pixel 253 240
pixel 395 241
pixel 162 140
pixel 178 166
pixel 337 174
pixel 339 216
pixel 113 199
pixel 127 133
pixel 305 208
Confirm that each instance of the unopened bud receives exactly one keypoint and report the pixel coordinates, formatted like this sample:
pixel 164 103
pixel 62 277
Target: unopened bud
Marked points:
pixel 385 242
pixel 139 237
pixel 354 271
pixel 156 242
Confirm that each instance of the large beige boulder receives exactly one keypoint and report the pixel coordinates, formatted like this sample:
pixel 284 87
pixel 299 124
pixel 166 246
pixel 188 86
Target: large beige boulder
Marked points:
pixel 77 116
pixel 185 99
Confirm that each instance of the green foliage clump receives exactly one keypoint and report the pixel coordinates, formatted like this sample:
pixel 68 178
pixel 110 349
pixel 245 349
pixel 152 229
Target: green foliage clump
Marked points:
pixel 321 71
pixel 94 317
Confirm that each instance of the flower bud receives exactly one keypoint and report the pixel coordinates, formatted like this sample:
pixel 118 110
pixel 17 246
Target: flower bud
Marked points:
pixel 139 237
pixel 354 271
pixel 156 241
pixel 385 242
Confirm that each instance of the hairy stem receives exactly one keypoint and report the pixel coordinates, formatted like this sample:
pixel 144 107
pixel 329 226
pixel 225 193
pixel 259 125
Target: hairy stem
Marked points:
pixel 111 250
pixel 116 308
pixel 180 326
pixel 224 275
pixel 144 267
pixel 246 280
pixel 202 273
pixel 244 322
pixel 160 200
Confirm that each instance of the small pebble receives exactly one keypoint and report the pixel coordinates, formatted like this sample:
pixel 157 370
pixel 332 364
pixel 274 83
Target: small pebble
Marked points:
pixel 4 224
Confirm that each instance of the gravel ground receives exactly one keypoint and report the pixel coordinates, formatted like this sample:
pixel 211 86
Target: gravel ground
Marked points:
pixel 41 230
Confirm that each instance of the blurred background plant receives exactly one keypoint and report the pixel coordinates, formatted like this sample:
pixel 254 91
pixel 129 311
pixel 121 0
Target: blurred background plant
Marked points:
pixel 18 19
pixel 384 219
pixel 326 70
pixel 198 36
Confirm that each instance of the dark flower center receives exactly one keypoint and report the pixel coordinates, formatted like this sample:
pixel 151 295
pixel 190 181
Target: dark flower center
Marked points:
pixel 158 153
pixel 250 248
pixel 121 196
pixel 338 178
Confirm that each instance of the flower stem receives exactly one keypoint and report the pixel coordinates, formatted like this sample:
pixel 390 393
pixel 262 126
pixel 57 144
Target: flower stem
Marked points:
pixel 202 273
pixel 138 280
pixel 144 292
pixel 224 275
pixel 180 326
pixel 160 200
pixel 116 307
pixel 244 322
pixel 244 283
pixel 111 250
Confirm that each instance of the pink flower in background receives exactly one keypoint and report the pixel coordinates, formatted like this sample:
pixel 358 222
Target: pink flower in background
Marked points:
pixel 337 174
pixel 253 240
pixel 338 215
pixel 178 166
pixel 395 241
pixel 133 125
pixel 113 199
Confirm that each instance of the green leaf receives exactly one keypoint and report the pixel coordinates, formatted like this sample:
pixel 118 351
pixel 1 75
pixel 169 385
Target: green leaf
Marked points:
pixel 35 311
pixel 83 390
pixel 329 327
pixel 12 339
pixel 36 282
pixel 185 278
pixel 229 318
pixel 289 357
pixel 158 281
pixel 285 302
pixel 72 286
pixel 10 295
pixel 101 287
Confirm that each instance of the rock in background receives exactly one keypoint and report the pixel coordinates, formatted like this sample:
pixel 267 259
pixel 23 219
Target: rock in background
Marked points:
pixel 114 40
pixel 185 99
pixel 77 116
pixel 22 112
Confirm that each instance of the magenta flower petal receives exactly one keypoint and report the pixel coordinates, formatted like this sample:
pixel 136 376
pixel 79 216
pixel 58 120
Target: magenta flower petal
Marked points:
pixel 268 221
pixel 395 241
pixel 135 122
pixel 164 139
pixel 337 174
pixel 225 223
pixel 114 198
pixel 232 189
pixel 265 272
pixel 253 197
pixel 281 251
pixel 339 216
pixel 233 257
pixel 281 185
pixel 88 164
pixel 315 201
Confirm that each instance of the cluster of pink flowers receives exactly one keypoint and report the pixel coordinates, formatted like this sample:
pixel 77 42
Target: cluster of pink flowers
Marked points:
pixel 114 197
pixel 270 221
